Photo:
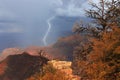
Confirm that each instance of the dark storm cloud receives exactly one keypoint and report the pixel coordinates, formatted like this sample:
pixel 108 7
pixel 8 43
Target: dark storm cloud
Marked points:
pixel 30 14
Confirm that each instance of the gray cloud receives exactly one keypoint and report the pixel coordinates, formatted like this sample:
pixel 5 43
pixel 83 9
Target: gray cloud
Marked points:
pixel 72 8
pixel 23 14
pixel 10 28
pixel 29 14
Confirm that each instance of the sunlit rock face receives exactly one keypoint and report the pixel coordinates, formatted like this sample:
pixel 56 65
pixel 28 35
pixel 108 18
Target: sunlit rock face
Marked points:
pixel 60 64
pixel 64 66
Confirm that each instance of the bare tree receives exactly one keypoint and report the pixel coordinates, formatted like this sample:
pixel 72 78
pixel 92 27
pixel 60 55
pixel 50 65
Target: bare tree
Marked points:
pixel 41 52
pixel 104 12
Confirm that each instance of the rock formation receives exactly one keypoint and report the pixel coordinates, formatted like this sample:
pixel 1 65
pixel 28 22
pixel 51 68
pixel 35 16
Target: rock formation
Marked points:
pixel 20 66
pixel 64 66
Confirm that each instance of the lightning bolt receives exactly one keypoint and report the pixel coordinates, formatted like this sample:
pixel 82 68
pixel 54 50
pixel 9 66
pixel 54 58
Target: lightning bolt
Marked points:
pixel 48 30
pixel 60 2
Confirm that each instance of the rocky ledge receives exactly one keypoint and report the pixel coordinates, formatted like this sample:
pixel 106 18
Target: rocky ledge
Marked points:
pixel 64 66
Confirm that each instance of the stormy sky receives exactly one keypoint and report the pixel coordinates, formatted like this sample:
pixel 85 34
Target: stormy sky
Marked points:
pixel 29 17
pixel 21 15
